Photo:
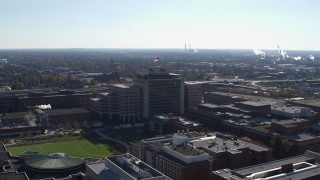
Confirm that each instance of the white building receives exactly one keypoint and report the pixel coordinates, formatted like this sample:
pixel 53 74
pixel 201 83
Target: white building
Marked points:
pixel 122 103
pixel 292 111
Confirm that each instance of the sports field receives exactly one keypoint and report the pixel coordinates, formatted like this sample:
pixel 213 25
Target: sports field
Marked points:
pixel 76 148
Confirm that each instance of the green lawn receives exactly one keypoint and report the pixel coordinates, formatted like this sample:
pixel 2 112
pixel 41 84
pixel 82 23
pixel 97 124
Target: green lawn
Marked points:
pixel 75 148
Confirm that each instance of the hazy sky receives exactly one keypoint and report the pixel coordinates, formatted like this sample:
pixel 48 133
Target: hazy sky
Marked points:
pixel 294 24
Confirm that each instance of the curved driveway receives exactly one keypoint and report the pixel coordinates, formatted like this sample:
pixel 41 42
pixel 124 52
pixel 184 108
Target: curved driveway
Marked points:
pixel 103 136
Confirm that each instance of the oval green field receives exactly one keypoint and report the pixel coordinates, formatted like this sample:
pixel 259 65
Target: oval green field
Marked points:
pixel 76 148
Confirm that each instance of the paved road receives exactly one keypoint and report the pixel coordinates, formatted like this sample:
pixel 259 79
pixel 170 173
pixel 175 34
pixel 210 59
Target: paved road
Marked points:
pixel 110 138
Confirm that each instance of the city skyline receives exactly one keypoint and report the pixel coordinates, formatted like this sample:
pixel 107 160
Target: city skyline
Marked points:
pixel 230 24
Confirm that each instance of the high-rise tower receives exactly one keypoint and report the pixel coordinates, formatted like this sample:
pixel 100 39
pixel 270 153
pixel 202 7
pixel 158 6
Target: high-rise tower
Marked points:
pixel 162 92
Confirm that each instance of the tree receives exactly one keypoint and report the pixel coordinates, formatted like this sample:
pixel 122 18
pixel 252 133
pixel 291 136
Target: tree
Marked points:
pixel 276 144
pixel 20 85
pixel 281 147
pixel 286 147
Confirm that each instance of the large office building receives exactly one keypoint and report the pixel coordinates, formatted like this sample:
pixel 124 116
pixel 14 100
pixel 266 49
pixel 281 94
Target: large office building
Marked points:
pixel 121 104
pixel 162 92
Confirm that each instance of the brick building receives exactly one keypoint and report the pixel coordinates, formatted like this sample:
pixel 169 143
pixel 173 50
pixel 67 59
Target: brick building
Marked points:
pixel 192 155
pixel 290 126
pixel 57 100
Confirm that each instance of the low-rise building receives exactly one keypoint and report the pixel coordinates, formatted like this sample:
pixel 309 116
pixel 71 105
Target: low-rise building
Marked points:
pixel 123 166
pixel 20 131
pixel 192 155
pixel 298 141
pixel 292 111
pixel 313 104
pixel 229 98
pixel 256 108
pixel 57 100
pixel 68 118
pixel 168 123
pixel 302 167
pixel 290 126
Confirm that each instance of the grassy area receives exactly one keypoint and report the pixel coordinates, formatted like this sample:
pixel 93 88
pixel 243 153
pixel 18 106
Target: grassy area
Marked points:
pixel 76 148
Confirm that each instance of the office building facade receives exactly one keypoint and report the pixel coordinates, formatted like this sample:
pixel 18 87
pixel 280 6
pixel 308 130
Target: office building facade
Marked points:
pixel 193 94
pixel 121 104
pixel 162 92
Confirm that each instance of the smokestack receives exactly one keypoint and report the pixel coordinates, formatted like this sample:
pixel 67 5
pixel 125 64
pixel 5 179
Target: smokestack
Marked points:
pixel 189 47
pixel 185 46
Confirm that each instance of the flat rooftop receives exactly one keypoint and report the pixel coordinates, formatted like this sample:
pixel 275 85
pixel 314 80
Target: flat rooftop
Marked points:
pixel 252 146
pixel 273 164
pixel 288 109
pixel 70 111
pixel 95 99
pixel 299 137
pixel 254 103
pixel 103 171
pixel 134 166
pixel 169 137
pixel 314 103
pixel 156 72
pixel 120 85
pixel 301 175
pixel 218 145
pixel 290 121
pixel 209 105
pixel 187 122
pixel 193 82
pixel 187 150
pixel 16 115
pixel 157 139
pixel 246 97
pixel 241 122
pixel 266 128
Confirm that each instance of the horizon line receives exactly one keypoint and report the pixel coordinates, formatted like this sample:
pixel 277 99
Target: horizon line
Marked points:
pixel 183 49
